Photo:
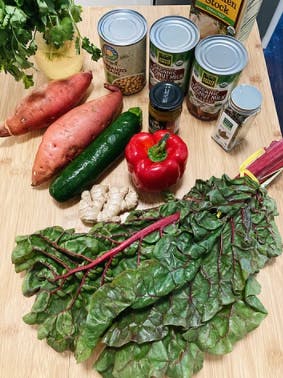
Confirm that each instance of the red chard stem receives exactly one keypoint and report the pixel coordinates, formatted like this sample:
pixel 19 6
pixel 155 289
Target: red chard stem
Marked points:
pixel 158 225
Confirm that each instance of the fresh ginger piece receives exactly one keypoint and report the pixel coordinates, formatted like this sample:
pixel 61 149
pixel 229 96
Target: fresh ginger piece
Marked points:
pixel 105 204
pixel 112 207
pixel 92 202
pixel 130 200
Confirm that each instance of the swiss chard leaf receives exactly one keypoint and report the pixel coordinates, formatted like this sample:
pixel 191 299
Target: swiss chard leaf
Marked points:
pixel 229 325
pixel 172 357
pixel 235 254
pixel 188 286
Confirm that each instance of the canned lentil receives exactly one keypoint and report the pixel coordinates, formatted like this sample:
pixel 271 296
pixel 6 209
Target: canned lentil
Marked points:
pixel 172 41
pixel 122 35
pixel 219 61
pixel 165 107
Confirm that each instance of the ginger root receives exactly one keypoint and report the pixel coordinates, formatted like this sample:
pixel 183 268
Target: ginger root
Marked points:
pixel 103 203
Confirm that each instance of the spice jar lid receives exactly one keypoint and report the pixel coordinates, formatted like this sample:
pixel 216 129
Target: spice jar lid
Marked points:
pixel 166 96
pixel 246 97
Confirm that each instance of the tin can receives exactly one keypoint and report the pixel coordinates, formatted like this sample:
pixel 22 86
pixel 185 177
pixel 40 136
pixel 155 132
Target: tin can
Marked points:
pixel 219 61
pixel 165 107
pixel 237 116
pixel 122 35
pixel 172 42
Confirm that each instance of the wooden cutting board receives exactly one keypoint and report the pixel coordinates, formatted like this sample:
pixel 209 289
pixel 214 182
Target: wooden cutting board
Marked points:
pixel 25 209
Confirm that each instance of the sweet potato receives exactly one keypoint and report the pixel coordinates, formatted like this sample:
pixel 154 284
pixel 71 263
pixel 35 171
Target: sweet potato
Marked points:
pixel 44 105
pixel 71 133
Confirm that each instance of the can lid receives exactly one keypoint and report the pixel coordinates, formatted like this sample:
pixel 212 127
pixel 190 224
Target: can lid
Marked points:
pixel 174 34
pixel 166 96
pixel 122 27
pixel 246 97
pixel 221 54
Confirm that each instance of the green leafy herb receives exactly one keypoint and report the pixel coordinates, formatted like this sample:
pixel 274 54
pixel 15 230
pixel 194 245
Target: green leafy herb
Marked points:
pixel 160 290
pixel 20 20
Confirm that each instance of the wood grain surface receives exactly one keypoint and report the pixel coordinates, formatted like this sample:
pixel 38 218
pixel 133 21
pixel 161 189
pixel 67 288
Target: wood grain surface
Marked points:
pixel 25 209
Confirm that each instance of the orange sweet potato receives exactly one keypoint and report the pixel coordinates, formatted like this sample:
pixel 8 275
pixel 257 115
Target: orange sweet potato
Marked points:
pixel 44 105
pixel 71 133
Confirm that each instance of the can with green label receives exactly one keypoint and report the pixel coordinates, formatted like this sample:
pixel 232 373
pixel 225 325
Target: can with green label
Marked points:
pixel 219 61
pixel 172 42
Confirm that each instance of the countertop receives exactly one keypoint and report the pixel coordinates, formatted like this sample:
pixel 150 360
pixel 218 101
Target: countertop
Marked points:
pixel 25 209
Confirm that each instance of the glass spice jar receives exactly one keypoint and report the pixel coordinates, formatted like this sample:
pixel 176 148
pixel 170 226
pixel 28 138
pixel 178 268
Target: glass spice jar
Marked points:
pixel 237 115
pixel 165 107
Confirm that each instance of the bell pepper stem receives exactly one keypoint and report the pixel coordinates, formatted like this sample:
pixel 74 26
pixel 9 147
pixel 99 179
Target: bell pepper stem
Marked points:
pixel 158 152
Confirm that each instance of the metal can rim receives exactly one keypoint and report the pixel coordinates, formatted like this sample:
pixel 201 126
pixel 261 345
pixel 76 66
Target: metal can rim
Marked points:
pixel 210 57
pixel 126 42
pixel 187 23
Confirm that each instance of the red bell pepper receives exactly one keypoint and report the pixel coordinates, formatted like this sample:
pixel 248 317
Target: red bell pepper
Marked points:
pixel 156 161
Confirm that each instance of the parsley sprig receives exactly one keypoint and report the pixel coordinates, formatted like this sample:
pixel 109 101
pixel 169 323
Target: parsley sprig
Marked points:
pixel 19 22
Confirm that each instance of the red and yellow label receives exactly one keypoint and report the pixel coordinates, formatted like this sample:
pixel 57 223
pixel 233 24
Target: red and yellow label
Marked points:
pixel 225 10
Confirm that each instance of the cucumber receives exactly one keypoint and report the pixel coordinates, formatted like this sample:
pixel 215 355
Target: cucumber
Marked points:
pixel 91 163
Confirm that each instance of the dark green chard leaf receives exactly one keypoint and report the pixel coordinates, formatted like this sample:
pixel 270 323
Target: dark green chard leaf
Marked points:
pixel 172 357
pixel 201 299
pixel 168 269
pixel 185 267
pixel 139 326
pixel 45 255
pixel 229 325
pixel 130 289
pixel 220 281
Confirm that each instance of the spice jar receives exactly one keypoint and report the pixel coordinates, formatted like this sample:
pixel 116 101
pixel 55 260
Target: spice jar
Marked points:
pixel 165 107
pixel 237 116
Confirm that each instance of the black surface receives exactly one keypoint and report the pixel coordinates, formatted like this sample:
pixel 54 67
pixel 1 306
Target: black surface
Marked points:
pixel 266 12
pixel 274 61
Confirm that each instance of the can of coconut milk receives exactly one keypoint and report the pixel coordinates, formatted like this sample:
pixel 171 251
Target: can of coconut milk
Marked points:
pixel 172 42
pixel 219 61
pixel 122 35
